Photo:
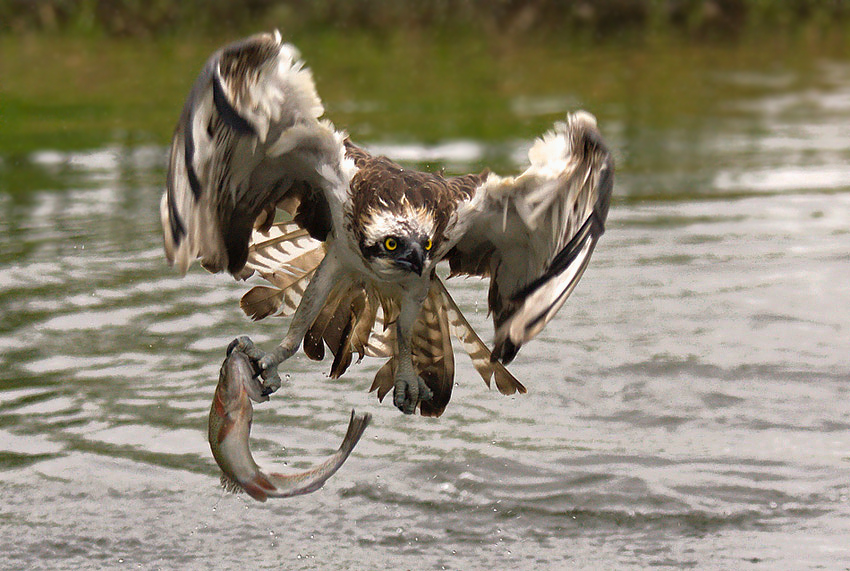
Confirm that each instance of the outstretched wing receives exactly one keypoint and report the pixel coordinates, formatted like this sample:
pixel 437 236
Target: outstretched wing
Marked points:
pixel 533 234
pixel 250 139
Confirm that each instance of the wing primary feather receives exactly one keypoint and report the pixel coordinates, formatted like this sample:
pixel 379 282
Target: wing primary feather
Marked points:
pixel 538 248
pixel 591 229
pixel 249 138
pixel 228 114
pixel 189 156
pixel 261 301
pixel 178 229
pixel 342 355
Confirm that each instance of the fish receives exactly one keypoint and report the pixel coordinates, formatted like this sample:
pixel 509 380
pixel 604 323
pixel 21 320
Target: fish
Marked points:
pixel 230 428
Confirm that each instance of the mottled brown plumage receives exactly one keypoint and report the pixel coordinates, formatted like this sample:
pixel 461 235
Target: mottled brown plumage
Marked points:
pixel 380 184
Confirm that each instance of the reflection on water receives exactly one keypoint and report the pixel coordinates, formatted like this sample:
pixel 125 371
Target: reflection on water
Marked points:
pixel 688 408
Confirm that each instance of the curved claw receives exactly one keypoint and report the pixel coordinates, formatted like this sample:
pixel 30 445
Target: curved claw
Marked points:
pixel 407 394
pixel 262 363
pixel 268 371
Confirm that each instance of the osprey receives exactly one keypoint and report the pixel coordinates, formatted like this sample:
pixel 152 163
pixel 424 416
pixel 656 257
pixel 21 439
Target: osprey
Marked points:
pixel 353 259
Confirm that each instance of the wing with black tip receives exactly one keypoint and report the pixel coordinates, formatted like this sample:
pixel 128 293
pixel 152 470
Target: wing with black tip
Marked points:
pixel 250 139
pixel 533 234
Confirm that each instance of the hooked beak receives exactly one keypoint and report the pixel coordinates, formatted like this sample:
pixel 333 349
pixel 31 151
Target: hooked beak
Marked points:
pixel 413 260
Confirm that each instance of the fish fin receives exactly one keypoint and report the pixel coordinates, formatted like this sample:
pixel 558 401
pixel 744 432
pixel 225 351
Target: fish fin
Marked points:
pixel 230 485
pixel 221 411
pixel 259 487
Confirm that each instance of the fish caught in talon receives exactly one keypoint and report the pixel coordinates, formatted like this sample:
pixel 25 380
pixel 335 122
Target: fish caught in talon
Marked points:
pixel 230 428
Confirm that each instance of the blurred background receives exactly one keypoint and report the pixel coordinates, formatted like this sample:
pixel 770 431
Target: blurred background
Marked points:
pixel 688 407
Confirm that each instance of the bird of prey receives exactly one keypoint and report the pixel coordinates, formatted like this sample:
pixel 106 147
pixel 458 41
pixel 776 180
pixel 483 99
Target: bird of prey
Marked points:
pixel 352 256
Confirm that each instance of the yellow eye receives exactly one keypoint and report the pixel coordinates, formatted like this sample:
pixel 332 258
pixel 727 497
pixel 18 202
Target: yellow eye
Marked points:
pixel 428 245
pixel 390 244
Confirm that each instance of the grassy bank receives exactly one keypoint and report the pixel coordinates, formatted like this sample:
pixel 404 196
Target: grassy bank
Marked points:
pixel 598 18
pixel 70 92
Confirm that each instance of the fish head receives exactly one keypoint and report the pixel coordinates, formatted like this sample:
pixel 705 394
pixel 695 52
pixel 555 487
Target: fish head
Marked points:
pixel 238 374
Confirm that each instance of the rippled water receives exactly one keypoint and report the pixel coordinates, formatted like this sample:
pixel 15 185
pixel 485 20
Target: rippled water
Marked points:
pixel 688 408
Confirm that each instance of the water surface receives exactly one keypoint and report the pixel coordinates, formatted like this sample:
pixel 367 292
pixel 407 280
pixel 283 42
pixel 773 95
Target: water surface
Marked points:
pixel 688 408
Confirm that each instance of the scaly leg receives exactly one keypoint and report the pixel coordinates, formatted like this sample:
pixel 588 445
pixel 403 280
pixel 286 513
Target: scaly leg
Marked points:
pixel 409 387
pixel 312 302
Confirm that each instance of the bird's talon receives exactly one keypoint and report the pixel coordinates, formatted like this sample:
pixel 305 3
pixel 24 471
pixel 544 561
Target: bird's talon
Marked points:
pixel 270 379
pixel 407 395
pixel 243 343
pixel 425 394
pixel 264 365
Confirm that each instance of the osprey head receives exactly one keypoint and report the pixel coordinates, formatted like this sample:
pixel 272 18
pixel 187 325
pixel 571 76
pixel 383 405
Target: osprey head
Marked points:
pixel 395 246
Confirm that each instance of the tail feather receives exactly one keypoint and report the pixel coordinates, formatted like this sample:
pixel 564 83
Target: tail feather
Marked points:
pixel 476 349
pixel 433 356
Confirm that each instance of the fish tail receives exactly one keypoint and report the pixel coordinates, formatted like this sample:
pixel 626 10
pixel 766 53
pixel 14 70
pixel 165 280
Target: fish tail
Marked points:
pixel 356 426
pixel 305 482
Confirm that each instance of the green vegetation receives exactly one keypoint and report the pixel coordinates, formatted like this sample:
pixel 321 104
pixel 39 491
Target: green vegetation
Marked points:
pixel 70 92
pixel 91 83
pixel 499 17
